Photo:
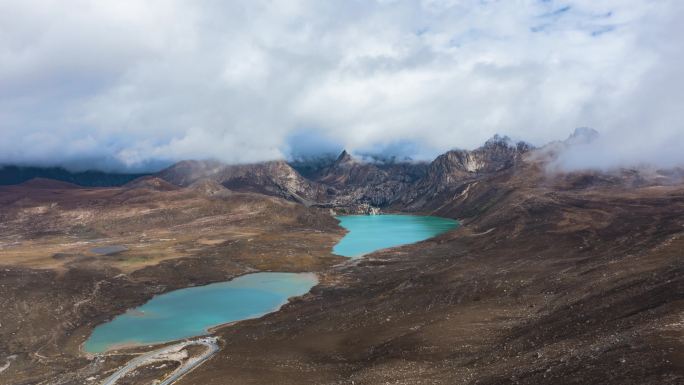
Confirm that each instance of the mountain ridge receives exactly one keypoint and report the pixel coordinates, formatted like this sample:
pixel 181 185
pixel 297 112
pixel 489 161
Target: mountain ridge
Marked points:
pixel 353 185
pixel 15 174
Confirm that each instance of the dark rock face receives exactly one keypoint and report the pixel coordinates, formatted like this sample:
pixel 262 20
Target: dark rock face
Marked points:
pixel 354 182
pixel 311 167
pixel 347 171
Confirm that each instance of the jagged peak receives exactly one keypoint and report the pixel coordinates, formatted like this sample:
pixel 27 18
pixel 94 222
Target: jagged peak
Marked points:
pixel 344 157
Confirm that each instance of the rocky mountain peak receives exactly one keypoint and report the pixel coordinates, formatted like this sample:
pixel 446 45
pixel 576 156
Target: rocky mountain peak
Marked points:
pixel 345 181
pixel 497 154
pixel 275 178
pixel 344 157
pixel 505 142
pixel 499 141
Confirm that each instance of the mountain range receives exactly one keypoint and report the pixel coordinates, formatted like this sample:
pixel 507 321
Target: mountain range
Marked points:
pixel 352 185
pixel 554 276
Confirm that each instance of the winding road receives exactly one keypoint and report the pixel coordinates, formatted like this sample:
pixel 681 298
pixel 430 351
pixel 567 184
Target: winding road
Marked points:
pixel 191 363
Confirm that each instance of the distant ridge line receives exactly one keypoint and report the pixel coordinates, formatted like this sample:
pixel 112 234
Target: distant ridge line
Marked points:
pixel 12 174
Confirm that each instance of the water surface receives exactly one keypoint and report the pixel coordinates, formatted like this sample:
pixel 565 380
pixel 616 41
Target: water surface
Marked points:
pixel 108 250
pixel 368 233
pixel 190 312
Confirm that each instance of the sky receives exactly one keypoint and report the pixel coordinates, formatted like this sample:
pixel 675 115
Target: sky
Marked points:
pixel 134 85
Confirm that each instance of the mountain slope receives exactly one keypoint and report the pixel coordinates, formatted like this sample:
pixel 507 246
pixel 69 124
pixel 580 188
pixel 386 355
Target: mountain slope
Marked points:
pixel 275 178
pixel 350 181
pixel 545 282
pixel 553 277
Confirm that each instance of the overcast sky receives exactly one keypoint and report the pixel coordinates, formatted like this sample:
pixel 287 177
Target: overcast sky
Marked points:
pixel 135 83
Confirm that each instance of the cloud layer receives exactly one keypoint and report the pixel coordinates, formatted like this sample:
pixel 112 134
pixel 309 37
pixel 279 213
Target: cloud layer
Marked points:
pixel 131 84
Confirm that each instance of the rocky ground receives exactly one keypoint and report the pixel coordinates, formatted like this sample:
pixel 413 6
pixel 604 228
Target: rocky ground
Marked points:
pixel 544 283
pixel 563 278
pixel 54 289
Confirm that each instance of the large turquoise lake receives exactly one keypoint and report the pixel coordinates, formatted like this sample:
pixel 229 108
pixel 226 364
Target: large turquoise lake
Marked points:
pixel 190 312
pixel 368 233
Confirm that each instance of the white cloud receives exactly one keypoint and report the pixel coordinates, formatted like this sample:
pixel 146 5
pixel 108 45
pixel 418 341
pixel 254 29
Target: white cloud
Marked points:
pixel 134 81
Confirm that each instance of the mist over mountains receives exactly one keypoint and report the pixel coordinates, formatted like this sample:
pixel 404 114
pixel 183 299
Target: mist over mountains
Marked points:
pixel 242 82
pixel 580 151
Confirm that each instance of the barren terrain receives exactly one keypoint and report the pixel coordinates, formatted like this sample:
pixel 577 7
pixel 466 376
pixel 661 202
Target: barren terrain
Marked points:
pixel 54 289
pixel 552 278
pixel 548 283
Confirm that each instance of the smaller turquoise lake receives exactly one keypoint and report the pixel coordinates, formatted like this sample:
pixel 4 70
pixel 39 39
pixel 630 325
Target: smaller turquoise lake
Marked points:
pixel 190 312
pixel 368 233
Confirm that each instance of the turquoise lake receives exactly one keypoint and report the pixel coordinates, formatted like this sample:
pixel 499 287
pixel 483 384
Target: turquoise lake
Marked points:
pixel 190 312
pixel 368 233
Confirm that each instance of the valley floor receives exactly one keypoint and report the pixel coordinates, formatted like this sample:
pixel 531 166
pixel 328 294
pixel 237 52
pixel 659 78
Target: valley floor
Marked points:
pixel 542 284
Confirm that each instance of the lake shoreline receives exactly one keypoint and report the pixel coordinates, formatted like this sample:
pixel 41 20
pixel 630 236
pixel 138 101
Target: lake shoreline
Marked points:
pixel 422 222
pixel 271 287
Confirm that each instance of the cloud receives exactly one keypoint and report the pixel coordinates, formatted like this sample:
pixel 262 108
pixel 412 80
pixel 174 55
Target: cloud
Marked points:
pixel 135 84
